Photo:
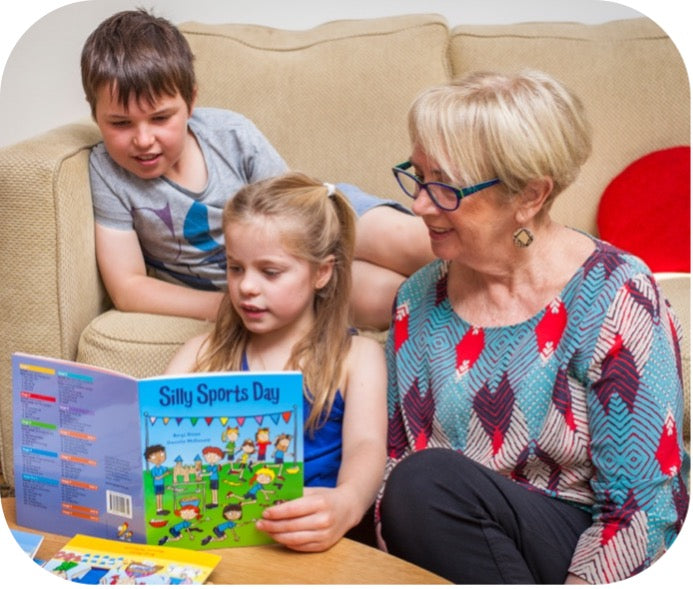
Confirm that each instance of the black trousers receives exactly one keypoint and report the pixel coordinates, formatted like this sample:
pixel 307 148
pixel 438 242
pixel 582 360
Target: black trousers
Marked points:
pixel 470 525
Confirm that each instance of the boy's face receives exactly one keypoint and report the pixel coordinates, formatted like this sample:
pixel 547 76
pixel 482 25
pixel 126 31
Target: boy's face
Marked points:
pixel 212 457
pixel 157 457
pixel 145 140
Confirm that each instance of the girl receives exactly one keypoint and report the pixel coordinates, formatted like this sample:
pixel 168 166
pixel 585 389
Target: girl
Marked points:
pixel 289 247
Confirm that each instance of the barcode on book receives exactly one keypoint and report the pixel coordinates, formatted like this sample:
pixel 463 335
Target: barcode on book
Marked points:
pixel 119 504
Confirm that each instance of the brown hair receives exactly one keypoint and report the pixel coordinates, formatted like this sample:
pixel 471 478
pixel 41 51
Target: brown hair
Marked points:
pixel 137 55
pixel 317 222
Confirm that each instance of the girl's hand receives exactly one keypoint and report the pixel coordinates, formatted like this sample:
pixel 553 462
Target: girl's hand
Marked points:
pixel 311 523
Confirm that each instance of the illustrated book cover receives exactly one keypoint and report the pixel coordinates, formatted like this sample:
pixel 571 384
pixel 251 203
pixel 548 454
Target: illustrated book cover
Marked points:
pixel 189 460
pixel 96 561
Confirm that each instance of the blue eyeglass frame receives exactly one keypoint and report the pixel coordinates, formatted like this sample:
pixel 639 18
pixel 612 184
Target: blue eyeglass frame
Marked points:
pixel 460 192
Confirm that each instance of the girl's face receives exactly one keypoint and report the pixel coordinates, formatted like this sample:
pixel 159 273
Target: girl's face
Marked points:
pixel 147 140
pixel 479 226
pixel 271 289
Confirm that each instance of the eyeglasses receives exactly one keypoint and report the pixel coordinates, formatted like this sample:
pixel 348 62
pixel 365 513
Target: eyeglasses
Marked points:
pixel 443 195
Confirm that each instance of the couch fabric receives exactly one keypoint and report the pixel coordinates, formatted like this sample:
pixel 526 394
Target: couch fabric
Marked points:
pixel 333 100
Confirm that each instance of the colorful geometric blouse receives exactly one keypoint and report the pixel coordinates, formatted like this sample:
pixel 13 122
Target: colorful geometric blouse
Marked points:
pixel 582 402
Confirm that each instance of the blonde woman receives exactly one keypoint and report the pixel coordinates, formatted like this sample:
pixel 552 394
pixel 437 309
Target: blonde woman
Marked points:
pixel 289 247
pixel 534 372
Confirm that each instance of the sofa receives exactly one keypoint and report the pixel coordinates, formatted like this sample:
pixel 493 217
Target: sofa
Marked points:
pixel 333 100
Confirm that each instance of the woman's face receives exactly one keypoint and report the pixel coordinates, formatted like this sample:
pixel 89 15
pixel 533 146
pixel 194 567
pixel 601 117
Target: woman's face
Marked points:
pixel 480 227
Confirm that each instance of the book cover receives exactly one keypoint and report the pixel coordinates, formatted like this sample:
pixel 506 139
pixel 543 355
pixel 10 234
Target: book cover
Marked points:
pixel 96 561
pixel 189 460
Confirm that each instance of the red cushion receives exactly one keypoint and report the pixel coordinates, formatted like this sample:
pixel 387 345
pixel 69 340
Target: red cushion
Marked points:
pixel 646 210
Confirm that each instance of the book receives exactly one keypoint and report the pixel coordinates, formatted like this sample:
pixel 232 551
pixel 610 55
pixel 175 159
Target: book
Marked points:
pixel 29 542
pixel 96 561
pixel 189 460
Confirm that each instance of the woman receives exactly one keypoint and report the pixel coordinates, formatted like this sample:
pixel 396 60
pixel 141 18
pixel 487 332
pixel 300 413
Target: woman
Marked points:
pixel 535 389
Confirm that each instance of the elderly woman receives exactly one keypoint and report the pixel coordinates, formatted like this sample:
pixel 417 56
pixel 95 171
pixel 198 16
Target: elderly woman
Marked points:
pixel 535 394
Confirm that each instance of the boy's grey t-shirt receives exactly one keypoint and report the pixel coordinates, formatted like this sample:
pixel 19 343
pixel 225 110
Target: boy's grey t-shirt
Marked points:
pixel 180 231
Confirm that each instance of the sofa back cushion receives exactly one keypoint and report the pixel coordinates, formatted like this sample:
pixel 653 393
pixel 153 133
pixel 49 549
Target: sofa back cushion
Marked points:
pixel 628 73
pixel 332 99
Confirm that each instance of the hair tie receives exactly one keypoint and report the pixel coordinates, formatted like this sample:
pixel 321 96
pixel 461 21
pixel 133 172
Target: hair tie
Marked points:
pixel 330 188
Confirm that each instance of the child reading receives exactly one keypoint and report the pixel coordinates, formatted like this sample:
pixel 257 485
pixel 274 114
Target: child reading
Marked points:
pixel 289 247
pixel 165 168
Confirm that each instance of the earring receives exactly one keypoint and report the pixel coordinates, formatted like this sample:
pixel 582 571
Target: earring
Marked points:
pixel 523 237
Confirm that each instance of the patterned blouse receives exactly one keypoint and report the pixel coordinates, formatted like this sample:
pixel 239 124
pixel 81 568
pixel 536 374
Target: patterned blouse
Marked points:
pixel 582 402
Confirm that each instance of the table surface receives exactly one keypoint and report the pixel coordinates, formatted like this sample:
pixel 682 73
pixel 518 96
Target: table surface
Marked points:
pixel 347 562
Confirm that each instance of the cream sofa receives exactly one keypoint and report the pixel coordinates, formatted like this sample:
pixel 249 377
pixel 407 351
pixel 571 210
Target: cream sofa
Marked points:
pixel 333 101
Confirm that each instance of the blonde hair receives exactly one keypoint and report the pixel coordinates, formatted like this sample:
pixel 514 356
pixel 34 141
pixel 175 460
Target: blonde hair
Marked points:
pixel 316 222
pixel 517 127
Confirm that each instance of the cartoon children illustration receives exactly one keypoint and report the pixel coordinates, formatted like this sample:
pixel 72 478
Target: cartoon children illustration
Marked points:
pixel 231 513
pixel 247 450
pixel 212 456
pixel 262 477
pixel 124 532
pixel 188 512
pixel 262 440
pixel 281 446
pixel 156 455
pixel 230 436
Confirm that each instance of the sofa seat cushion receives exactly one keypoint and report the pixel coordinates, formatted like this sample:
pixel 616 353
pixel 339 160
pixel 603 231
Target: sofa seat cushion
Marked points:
pixel 138 344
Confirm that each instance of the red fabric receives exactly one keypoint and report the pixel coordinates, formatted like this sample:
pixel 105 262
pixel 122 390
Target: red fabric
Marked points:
pixel 646 210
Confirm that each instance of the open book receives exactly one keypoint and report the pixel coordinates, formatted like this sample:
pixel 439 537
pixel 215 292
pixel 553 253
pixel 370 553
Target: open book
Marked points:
pixel 190 460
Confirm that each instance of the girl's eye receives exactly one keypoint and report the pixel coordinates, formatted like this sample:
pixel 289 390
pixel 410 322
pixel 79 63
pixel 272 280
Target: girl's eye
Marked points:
pixel 233 269
pixel 271 272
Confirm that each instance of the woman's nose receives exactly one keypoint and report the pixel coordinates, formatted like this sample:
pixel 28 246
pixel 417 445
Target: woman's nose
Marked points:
pixel 423 204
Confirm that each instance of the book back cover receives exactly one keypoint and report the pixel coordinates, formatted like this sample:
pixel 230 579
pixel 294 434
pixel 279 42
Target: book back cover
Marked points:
pixel 77 450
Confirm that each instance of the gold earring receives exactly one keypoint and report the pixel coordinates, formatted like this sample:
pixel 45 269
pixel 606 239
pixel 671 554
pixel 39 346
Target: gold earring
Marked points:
pixel 523 237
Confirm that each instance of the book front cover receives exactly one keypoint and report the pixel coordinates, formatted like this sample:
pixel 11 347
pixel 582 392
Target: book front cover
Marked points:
pixel 218 450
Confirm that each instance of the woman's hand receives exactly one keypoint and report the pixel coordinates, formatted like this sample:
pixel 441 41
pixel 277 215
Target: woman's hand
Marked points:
pixel 311 523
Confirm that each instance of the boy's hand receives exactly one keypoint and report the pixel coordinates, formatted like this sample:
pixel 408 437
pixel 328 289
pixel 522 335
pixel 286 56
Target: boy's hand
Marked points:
pixel 311 523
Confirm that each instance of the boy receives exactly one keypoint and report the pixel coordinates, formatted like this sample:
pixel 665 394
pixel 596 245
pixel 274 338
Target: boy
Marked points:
pixel 161 176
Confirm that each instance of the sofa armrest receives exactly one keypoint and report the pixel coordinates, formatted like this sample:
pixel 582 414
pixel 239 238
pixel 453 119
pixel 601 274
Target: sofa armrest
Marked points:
pixel 50 286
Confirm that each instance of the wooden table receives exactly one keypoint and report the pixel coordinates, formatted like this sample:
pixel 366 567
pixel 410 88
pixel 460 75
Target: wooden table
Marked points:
pixel 347 562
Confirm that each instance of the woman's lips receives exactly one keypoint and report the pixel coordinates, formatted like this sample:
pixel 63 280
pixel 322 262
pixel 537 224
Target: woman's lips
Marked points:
pixel 438 233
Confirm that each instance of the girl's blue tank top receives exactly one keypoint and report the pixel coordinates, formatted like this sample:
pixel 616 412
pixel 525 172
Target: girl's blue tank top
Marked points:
pixel 322 451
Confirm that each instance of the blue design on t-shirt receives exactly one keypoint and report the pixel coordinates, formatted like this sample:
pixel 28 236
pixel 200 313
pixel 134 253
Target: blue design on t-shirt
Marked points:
pixel 196 228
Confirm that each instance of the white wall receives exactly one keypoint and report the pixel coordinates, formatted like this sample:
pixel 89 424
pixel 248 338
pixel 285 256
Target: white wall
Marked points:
pixel 41 40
